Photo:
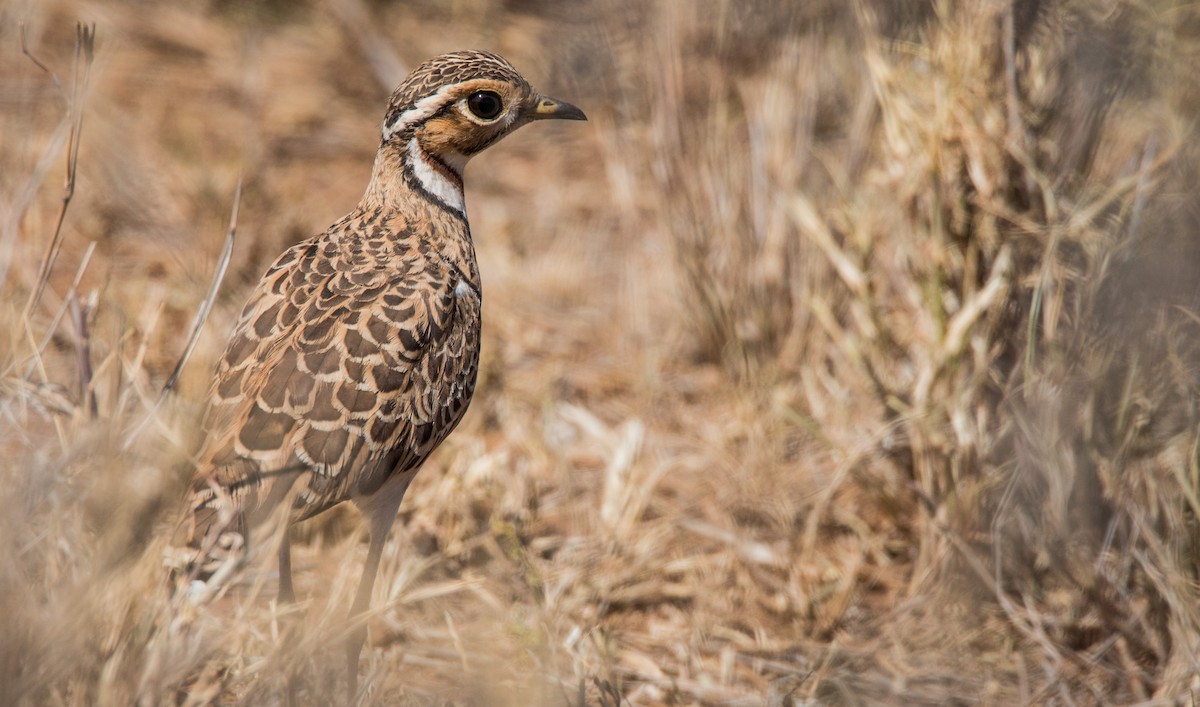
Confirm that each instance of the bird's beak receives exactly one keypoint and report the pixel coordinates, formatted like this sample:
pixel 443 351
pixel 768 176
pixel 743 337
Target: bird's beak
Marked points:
pixel 550 108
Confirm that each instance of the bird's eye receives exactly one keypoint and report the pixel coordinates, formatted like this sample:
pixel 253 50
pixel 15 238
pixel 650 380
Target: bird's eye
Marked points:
pixel 485 104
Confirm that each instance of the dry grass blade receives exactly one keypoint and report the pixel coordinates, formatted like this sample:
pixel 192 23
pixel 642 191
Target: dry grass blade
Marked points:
pixel 39 350
pixel 214 287
pixel 85 54
pixel 199 319
pixel 18 208
pixel 83 346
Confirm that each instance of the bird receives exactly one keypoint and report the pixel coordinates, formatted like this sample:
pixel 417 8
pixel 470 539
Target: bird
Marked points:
pixel 357 352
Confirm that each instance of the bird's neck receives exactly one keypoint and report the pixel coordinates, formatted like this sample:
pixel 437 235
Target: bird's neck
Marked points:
pixel 406 175
pixel 423 195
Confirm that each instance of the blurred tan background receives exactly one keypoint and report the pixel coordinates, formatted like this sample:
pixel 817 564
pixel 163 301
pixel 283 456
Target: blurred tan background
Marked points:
pixel 847 355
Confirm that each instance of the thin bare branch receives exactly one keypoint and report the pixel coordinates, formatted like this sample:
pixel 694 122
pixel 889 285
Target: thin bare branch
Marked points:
pixel 17 209
pixel 58 315
pixel 85 41
pixel 206 305
pixel 200 318
pixel 83 347
pixel 37 62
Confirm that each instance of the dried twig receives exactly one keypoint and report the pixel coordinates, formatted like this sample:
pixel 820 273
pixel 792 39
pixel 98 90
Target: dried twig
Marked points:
pixel 58 316
pixel 200 318
pixel 85 52
pixel 12 221
pixel 83 345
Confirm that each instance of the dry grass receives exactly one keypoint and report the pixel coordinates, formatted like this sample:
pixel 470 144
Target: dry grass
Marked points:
pixel 850 354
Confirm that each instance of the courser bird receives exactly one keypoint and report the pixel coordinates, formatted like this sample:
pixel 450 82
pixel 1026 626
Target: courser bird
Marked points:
pixel 357 352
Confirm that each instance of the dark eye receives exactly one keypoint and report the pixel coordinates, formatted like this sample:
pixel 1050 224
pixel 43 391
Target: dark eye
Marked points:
pixel 485 104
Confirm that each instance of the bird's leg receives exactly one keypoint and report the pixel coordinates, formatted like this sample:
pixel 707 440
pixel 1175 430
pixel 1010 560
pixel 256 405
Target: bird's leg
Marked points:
pixel 379 510
pixel 286 593
pixel 362 600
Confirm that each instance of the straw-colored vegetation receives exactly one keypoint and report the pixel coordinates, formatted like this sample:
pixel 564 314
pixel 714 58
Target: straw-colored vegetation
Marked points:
pixel 849 354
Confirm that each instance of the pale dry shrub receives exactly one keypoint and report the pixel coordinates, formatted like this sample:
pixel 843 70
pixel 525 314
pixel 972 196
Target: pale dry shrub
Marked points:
pixel 1002 321
pixel 981 319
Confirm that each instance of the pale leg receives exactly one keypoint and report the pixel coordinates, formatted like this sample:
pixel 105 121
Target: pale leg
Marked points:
pixel 286 593
pixel 362 602
pixel 380 513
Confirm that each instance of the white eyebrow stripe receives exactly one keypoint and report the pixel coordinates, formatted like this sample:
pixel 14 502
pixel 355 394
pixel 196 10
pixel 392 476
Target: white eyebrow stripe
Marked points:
pixel 421 110
pixel 434 181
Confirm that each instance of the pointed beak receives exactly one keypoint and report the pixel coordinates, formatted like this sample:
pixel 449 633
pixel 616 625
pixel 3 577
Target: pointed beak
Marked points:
pixel 550 108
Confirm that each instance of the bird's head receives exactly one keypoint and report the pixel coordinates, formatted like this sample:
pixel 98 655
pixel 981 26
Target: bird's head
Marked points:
pixel 454 106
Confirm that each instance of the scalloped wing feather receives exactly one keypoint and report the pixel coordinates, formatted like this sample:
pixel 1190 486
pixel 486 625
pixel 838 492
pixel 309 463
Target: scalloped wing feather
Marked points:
pixel 345 367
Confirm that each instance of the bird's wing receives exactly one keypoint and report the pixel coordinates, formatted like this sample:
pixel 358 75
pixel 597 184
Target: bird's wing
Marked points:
pixel 337 375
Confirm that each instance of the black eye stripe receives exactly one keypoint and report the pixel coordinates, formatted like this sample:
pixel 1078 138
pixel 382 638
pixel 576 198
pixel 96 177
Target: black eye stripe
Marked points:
pixel 485 104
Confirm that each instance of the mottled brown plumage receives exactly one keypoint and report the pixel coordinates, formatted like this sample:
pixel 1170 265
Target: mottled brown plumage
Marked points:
pixel 356 354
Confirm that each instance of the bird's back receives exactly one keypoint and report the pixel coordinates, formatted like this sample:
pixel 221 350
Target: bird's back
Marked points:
pixel 354 358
